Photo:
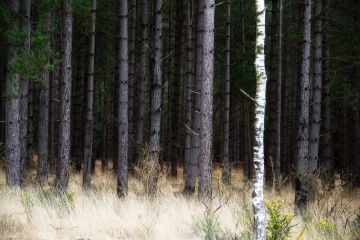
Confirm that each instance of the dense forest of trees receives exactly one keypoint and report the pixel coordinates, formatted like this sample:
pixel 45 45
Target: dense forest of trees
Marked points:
pixel 184 83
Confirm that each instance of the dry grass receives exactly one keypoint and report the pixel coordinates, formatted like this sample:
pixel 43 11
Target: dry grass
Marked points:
pixel 33 213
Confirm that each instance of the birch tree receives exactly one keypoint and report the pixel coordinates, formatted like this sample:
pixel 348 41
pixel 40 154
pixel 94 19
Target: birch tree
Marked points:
pixel 258 188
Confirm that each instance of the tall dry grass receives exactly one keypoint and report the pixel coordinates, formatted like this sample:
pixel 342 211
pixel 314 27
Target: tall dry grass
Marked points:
pixel 35 213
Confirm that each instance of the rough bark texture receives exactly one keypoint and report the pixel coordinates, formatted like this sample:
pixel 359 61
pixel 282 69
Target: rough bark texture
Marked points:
pixel 43 131
pixel 226 174
pixel 188 170
pixel 326 149
pixel 62 174
pixel 277 164
pixel 315 118
pixel 155 122
pixel 258 188
pixel 12 118
pixel 206 103
pixel 142 77
pixel 122 171
pixel 271 97
pixel 88 137
pixel 24 89
pixel 301 181
pixel 176 90
pixel 196 121
pixel 132 76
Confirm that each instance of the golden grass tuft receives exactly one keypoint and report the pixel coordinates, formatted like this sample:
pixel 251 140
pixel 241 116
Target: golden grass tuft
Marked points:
pixel 35 213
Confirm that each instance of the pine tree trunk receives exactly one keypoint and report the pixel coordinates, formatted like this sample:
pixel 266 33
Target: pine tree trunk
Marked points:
pixel 206 103
pixel 326 149
pixel 301 182
pixel 258 196
pixel 315 117
pixel 142 78
pixel 122 171
pixel 271 99
pixel 24 89
pixel 132 76
pixel 176 88
pixel 226 174
pixel 155 122
pixel 88 137
pixel 277 164
pixel 12 118
pixel 189 85
pixel 43 134
pixel 62 176
pixel 196 121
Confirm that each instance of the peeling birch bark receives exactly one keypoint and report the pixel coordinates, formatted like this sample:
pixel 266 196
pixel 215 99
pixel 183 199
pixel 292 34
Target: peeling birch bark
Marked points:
pixel 258 180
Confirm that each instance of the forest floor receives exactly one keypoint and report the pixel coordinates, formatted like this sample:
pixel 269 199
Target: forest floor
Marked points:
pixel 35 213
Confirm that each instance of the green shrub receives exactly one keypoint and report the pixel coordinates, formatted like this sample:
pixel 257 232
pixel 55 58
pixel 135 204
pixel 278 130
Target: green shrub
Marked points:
pixel 279 223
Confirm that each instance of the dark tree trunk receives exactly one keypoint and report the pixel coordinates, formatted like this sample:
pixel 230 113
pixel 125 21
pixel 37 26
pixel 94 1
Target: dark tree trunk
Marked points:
pixel 155 124
pixel 89 129
pixel 176 89
pixel 122 171
pixel 24 90
pixel 226 174
pixel 189 85
pixel 62 175
pixel 315 117
pixel 196 121
pixel 12 118
pixel 43 131
pixel 301 182
pixel 142 77
pixel 132 76
pixel 271 96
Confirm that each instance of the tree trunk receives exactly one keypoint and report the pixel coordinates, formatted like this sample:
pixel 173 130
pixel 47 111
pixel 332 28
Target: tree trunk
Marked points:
pixel 196 121
pixel 155 124
pixel 122 171
pixel 142 78
pixel 258 197
pixel 314 134
pixel 226 174
pixel 206 103
pixel 189 85
pixel 271 98
pixel 43 134
pixel 326 149
pixel 301 182
pixel 132 76
pixel 24 89
pixel 176 89
pixel 12 118
pixel 62 176
pixel 277 164
pixel 88 136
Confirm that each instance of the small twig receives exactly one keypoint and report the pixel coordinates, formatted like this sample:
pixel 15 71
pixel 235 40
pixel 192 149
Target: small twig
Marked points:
pixel 192 131
pixel 247 95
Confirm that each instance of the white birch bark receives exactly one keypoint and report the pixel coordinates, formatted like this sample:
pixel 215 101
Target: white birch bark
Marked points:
pixel 258 188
